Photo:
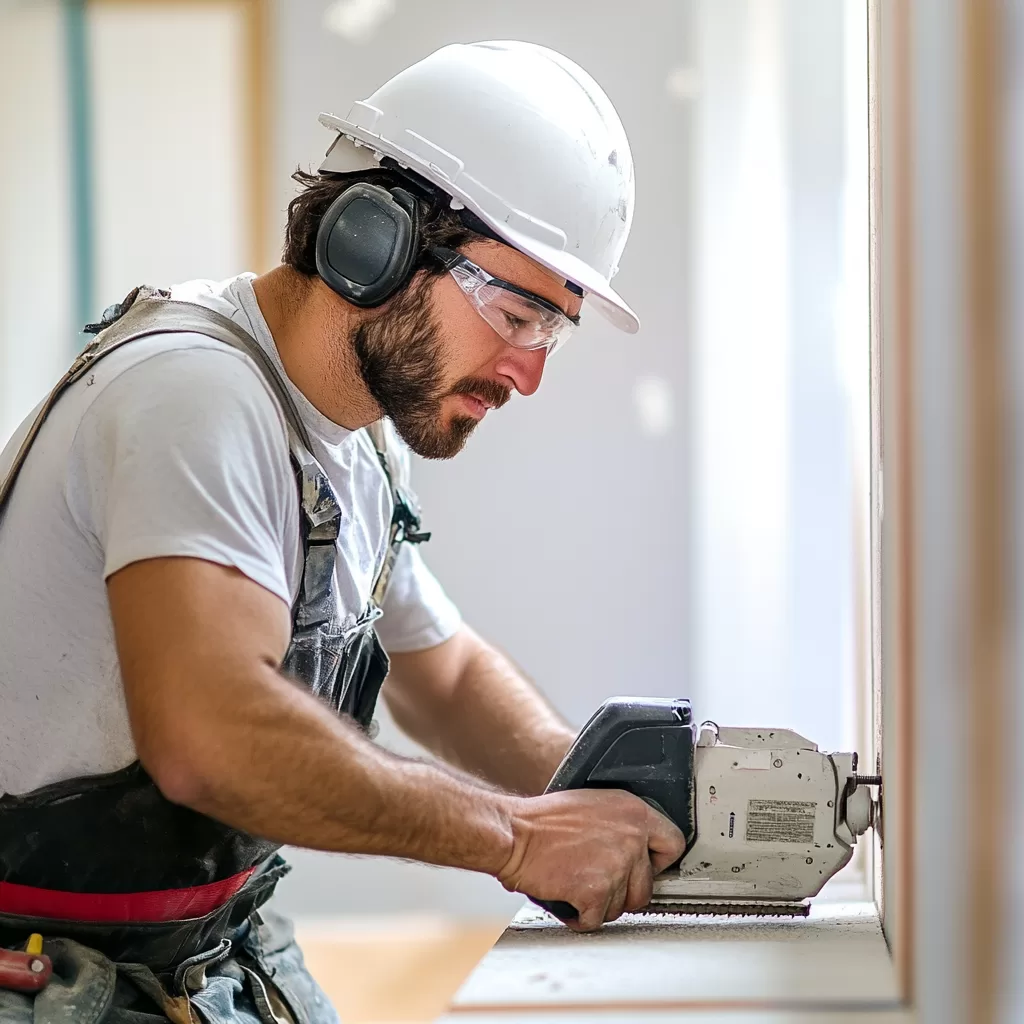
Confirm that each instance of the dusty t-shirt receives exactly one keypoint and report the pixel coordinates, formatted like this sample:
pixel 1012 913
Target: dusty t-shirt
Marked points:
pixel 171 445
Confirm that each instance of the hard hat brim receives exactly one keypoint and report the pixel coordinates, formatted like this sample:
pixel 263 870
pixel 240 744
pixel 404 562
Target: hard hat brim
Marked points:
pixel 365 150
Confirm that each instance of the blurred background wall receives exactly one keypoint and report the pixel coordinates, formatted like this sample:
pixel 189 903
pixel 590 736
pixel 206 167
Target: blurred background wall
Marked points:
pixel 683 512
pixel 37 241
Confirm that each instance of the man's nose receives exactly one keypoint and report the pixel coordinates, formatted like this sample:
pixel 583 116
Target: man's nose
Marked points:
pixel 523 367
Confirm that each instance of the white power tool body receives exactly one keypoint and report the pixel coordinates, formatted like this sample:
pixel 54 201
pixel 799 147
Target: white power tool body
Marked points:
pixel 768 818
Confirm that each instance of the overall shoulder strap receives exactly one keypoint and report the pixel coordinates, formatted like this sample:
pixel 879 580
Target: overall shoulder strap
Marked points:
pixel 405 519
pixel 379 436
pixel 148 312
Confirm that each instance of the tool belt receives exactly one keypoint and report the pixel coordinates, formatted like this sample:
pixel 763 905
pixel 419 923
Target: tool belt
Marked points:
pixel 161 945
pixel 232 965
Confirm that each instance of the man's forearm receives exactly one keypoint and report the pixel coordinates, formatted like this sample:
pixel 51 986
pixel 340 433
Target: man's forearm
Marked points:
pixel 284 767
pixel 490 721
pixel 220 730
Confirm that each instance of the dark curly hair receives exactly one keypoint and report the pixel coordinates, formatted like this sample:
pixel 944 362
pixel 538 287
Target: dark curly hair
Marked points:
pixel 439 224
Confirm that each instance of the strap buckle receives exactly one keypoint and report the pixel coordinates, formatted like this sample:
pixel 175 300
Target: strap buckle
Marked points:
pixel 407 520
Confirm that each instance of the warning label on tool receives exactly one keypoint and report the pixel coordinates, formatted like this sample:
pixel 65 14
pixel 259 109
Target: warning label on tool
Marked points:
pixel 780 821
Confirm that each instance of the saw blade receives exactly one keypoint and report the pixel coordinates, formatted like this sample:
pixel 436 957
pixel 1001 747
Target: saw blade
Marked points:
pixel 727 908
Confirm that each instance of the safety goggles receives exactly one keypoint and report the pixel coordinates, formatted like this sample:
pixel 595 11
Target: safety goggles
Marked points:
pixel 521 318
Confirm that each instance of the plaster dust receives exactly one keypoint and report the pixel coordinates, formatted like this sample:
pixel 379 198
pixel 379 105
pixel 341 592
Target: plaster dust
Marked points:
pixel 837 956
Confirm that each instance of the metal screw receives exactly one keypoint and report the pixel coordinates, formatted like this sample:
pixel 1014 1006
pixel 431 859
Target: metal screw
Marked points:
pixel 777 762
pixel 712 790
pixel 36 966
pixel 867 780
pixel 810 860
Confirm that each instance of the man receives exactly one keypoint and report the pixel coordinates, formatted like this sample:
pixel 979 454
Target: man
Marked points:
pixel 211 541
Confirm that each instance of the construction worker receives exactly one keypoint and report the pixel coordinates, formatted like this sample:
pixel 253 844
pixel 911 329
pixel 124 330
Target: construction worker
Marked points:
pixel 208 543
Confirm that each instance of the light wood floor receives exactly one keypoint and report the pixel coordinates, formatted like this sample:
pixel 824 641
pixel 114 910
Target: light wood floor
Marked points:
pixel 397 971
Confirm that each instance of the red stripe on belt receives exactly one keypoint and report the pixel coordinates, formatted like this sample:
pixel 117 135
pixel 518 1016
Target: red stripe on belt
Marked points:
pixel 156 905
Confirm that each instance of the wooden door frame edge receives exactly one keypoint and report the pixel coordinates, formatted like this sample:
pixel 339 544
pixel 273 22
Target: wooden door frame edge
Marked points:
pixel 986 693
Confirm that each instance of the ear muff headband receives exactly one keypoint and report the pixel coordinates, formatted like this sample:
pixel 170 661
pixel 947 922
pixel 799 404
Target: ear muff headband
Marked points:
pixel 367 242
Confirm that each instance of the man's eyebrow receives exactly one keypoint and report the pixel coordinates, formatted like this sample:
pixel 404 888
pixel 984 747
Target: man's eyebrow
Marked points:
pixel 574 319
pixel 554 305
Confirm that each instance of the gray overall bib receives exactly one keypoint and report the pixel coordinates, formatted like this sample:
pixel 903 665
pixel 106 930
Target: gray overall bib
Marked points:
pixel 116 833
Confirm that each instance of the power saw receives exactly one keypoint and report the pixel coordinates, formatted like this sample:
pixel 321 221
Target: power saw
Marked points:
pixel 768 818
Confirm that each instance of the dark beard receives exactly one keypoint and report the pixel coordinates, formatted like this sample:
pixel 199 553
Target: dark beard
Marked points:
pixel 400 359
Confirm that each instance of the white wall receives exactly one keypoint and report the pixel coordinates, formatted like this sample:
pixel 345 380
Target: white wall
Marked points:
pixel 742 488
pixel 779 362
pixel 940 527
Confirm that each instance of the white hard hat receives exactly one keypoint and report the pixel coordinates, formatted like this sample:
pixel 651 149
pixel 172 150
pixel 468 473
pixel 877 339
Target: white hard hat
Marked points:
pixel 523 138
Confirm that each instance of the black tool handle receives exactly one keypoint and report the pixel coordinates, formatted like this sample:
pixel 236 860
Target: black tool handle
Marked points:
pixel 565 912
pixel 643 745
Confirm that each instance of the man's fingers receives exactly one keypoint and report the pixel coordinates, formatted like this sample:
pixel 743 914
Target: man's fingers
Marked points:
pixel 632 893
pixel 617 904
pixel 603 905
pixel 662 834
pixel 639 887
pixel 664 840
pixel 591 918
pixel 660 861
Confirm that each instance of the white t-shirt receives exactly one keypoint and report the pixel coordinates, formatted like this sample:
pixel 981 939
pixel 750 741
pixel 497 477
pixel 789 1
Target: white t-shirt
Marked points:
pixel 171 445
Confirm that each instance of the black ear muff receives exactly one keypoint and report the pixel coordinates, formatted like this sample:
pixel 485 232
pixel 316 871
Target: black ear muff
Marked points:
pixel 367 242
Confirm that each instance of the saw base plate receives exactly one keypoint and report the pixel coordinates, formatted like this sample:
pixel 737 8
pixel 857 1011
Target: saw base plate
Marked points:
pixel 728 908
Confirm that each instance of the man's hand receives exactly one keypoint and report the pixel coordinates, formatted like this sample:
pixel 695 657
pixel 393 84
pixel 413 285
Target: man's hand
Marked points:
pixel 597 849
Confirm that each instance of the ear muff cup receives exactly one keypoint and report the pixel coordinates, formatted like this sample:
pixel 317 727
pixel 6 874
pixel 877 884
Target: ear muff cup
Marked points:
pixel 367 242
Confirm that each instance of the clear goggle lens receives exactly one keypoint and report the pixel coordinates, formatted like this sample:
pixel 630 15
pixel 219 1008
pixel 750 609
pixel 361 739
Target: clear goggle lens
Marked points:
pixel 522 321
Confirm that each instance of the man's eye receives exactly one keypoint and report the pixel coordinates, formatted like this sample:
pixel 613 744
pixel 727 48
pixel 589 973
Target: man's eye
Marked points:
pixel 514 322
